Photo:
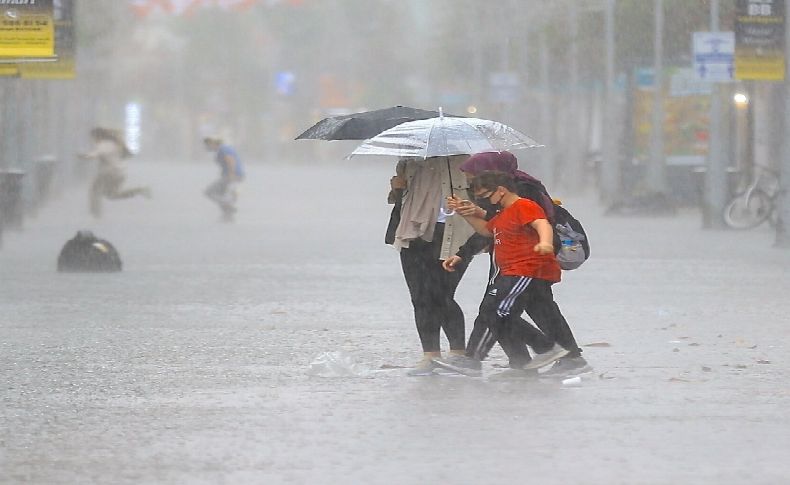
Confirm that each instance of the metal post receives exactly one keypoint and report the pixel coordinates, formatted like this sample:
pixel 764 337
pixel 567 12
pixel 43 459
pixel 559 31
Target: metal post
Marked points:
pixel 574 171
pixel 716 185
pixel 546 119
pixel 477 57
pixel 656 169
pixel 610 166
pixel 783 201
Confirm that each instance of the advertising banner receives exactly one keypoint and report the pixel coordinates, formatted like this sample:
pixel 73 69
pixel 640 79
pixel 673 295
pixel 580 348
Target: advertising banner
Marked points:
pixel 759 40
pixel 686 108
pixel 27 30
pixel 64 66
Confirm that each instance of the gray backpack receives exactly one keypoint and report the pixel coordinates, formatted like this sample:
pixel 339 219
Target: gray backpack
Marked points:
pixel 572 253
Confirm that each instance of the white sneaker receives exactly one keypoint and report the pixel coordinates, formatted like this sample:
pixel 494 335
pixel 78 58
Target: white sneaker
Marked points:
pixel 546 358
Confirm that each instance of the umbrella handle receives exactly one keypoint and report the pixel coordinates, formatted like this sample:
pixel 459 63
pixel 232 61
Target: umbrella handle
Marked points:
pixel 450 174
pixel 452 189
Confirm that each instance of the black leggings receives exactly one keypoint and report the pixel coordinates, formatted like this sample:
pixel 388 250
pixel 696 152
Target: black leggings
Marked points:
pixel 432 291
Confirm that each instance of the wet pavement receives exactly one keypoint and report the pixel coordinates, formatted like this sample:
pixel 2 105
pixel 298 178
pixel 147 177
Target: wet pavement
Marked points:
pixel 191 366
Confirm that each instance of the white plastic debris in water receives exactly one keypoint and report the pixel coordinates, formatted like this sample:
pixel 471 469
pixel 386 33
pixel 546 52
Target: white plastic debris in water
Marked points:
pixel 572 382
pixel 336 364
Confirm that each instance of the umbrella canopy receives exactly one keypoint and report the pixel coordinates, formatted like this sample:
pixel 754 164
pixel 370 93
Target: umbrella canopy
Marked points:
pixel 443 136
pixel 364 125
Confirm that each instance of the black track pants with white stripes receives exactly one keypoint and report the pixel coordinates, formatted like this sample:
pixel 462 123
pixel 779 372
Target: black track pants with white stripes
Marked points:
pixel 509 296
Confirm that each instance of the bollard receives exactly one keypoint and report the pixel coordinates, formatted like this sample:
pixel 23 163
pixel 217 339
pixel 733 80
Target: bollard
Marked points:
pixel 43 173
pixel 733 178
pixel 11 207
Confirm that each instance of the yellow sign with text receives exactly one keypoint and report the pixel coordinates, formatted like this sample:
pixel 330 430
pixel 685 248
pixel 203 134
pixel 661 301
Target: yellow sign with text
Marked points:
pixel 26 29
pixel 760 68
pixel 65 66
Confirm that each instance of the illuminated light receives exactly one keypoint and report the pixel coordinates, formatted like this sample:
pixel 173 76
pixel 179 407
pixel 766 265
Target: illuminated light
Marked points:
pixel 471 109
pixel 740 99
pixel 132 130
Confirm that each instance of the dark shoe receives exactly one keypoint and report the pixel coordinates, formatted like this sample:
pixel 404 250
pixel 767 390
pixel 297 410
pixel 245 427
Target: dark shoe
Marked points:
pixel 546 358
pixel 460 364
pixel 568 366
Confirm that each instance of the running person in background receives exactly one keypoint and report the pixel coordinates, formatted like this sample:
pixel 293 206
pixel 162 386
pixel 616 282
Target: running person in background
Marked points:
pixel 110 150
pixel 224 191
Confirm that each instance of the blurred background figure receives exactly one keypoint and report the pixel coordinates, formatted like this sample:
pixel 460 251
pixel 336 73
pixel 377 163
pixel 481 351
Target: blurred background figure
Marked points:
pixel 224 191
pixel 110 150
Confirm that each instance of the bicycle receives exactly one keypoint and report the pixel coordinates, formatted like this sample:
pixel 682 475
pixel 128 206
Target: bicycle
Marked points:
pixel 755 203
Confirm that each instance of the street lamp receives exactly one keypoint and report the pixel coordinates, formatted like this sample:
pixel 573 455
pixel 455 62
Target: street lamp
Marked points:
pixel 744 140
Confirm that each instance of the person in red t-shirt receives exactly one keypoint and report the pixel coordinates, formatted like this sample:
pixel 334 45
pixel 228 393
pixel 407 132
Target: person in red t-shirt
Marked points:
pixel 526 265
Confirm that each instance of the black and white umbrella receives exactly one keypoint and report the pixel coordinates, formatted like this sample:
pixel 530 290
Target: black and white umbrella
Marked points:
pixel 365 124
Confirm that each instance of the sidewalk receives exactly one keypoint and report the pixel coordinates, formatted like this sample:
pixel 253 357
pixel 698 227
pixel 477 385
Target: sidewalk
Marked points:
pixel 191 365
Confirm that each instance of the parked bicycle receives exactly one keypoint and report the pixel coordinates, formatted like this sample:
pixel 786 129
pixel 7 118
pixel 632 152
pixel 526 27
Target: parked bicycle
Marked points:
pixel 755 201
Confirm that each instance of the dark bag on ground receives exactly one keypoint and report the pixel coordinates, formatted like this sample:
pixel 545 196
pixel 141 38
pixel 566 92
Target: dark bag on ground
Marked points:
pixel 574 247
pixel 87 253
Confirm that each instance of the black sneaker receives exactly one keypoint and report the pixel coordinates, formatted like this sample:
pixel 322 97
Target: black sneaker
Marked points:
pixel 568 366
pixel 460 364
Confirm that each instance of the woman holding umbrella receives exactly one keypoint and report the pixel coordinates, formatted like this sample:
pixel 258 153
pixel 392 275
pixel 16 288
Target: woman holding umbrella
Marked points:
pixel 431 151
pixel 426 234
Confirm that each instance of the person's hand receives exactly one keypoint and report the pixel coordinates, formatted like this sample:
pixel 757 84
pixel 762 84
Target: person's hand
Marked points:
pixel 450 263
pixel 397 183
pixel 469 209
pixel 453 203
pixel 544 248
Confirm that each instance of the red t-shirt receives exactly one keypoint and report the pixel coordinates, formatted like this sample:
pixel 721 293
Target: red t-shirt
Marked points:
pixel 515 240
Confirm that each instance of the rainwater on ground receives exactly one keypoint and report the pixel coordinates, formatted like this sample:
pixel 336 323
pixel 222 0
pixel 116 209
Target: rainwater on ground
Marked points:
pixel 193 364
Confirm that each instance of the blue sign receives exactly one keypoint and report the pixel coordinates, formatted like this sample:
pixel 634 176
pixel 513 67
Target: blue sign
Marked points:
pixel 644 77
pixel 714 56
pixel 284 83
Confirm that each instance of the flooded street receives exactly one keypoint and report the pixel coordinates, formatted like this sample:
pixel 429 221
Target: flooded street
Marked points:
pixel 191 365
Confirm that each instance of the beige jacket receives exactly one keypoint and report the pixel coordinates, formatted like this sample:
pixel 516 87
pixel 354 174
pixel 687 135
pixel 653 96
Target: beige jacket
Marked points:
pixel 110 157
pixel 427 185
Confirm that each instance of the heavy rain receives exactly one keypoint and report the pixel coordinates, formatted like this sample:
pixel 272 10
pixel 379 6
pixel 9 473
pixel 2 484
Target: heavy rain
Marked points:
pixel 249 241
